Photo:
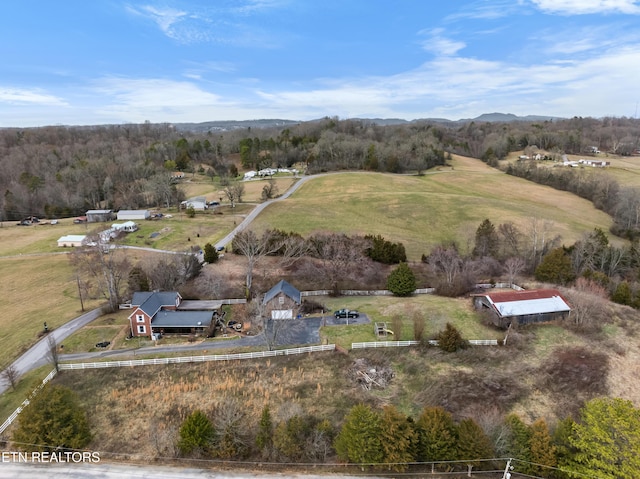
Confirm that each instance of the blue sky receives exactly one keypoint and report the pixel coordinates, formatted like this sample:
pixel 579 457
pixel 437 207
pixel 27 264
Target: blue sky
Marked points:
pixel 81 62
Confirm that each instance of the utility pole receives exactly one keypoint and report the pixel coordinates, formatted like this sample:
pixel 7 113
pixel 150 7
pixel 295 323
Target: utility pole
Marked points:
pixel 507 468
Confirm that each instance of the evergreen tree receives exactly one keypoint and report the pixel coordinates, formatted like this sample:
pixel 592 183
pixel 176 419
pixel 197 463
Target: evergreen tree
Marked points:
pixel 402 281
pixel 450 339
pixel 52 420
pixel 473 443
pixel 606 440
pixel 487 240
pixel 564 449
pixel 210 254
pixel 437 435
pixel 196 434
pixel 398 439
pixel 138 280
pixel 555 267
pixel 519 443
pixel 264 438
pixel 543 451
pixel 289 438
pixel 622 294
pixel 359 439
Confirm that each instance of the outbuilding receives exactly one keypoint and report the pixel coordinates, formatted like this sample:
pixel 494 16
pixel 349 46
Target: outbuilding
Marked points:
pixel 199 203
pixel 523 307
pixel 70 241
pixel 97 216
pixel 132 215
pixel 282 301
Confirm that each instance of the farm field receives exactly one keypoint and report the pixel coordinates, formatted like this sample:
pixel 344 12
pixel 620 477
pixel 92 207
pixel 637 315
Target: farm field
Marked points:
pixel 446 204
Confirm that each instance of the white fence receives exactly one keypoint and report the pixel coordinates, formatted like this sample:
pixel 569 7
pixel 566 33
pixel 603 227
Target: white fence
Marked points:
pixel 198 359
pixel 15 413
pixel 431 342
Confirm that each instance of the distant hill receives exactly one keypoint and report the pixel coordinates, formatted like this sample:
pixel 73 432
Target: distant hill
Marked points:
pixel 233 125
pixel 276 123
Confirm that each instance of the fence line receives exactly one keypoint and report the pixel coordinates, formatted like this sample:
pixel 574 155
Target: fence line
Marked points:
pixel 386 292
pixel 15 413
pixel 198 359
pixel 431 342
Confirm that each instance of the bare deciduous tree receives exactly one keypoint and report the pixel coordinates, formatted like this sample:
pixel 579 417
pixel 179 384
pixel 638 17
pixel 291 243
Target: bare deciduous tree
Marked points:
pixel 254 248
pixel 11 375
pixel 339 254
pixel 53 355
pixel 513 267
pixel 234 192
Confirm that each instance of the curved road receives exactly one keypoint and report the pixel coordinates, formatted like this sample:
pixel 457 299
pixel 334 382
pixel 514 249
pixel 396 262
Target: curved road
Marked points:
pixel 37 355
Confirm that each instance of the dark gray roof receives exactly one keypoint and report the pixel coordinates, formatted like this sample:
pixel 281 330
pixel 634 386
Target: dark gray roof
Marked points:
pixel 151 302
pixel 182 319
pixel 283 287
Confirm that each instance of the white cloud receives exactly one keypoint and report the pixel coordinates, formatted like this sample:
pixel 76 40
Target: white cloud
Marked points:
pixel 165 18
pixel 439 44
pixel 34 96
pixel 582 7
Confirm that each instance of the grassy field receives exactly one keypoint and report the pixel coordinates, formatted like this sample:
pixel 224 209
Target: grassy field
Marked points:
pixel 36 289
pixel 443 205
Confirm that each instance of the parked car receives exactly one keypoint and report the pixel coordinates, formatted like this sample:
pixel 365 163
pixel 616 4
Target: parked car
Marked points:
pixel 346 313
pixel 103 344
pixel 235 325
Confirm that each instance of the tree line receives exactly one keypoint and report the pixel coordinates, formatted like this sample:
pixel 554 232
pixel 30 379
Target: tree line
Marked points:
pixel 63 171
pixel 604 440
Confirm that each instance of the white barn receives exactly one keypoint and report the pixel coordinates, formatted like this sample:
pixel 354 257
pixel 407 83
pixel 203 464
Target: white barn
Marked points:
pixel 129 215
pixel 70 241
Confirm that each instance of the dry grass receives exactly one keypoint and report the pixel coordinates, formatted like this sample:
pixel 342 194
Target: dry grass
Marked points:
pixel 128 405
pixel 35 289
pixel 443 205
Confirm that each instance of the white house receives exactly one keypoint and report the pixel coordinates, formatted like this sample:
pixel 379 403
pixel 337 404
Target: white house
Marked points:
pixel 249 175
pixel 127 227
pixel 70 241
pixel 199 203
pixel 128 215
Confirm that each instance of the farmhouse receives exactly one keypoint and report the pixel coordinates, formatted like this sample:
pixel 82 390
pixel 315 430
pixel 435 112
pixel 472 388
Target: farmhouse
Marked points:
pixel 70 241
pixel 157 313
pixel 523 307
pixel 130 215
pixel 96 216
pixel 282 301
pixel 199 203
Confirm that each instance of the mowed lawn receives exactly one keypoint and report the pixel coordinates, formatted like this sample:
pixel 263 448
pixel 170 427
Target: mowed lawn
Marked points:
pixel 446 204
pixel 35 289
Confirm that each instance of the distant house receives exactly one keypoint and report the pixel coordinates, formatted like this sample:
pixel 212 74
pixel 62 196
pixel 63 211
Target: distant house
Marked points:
pixel 97 216
pixel 158 313
pixel 70 241
pixel 249 175
pixel 199 203
pixel 131 215
pixel 126 227
pixel 523 307
pixel 282 301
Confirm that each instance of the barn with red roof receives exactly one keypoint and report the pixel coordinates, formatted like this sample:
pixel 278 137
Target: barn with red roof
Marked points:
pixel 523 307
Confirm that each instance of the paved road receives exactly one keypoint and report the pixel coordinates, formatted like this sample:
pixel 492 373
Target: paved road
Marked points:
pixel 36 356
pixel 15 470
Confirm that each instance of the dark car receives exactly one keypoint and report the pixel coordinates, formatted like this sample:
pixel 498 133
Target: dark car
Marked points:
pixel 103 344
pixel 236 325
pixel 346 313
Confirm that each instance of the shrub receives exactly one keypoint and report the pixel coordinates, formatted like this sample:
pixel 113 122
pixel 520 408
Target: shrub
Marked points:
pixel 402 281
pixel 450 339
pixel 196 433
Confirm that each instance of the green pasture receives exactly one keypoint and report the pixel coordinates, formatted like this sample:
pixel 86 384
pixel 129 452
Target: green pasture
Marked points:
pixel 36 289
pixel 437 311
pixel 420 212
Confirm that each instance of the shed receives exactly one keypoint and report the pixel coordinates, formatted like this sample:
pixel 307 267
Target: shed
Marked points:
pixel 97 216
pixel 70 241
pixel 199 203
pixel 282 301
pixel 128 215
pixel 523 307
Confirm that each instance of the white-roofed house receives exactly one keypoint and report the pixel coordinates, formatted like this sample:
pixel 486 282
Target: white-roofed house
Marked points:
pixel 71 241
pixel 523 307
